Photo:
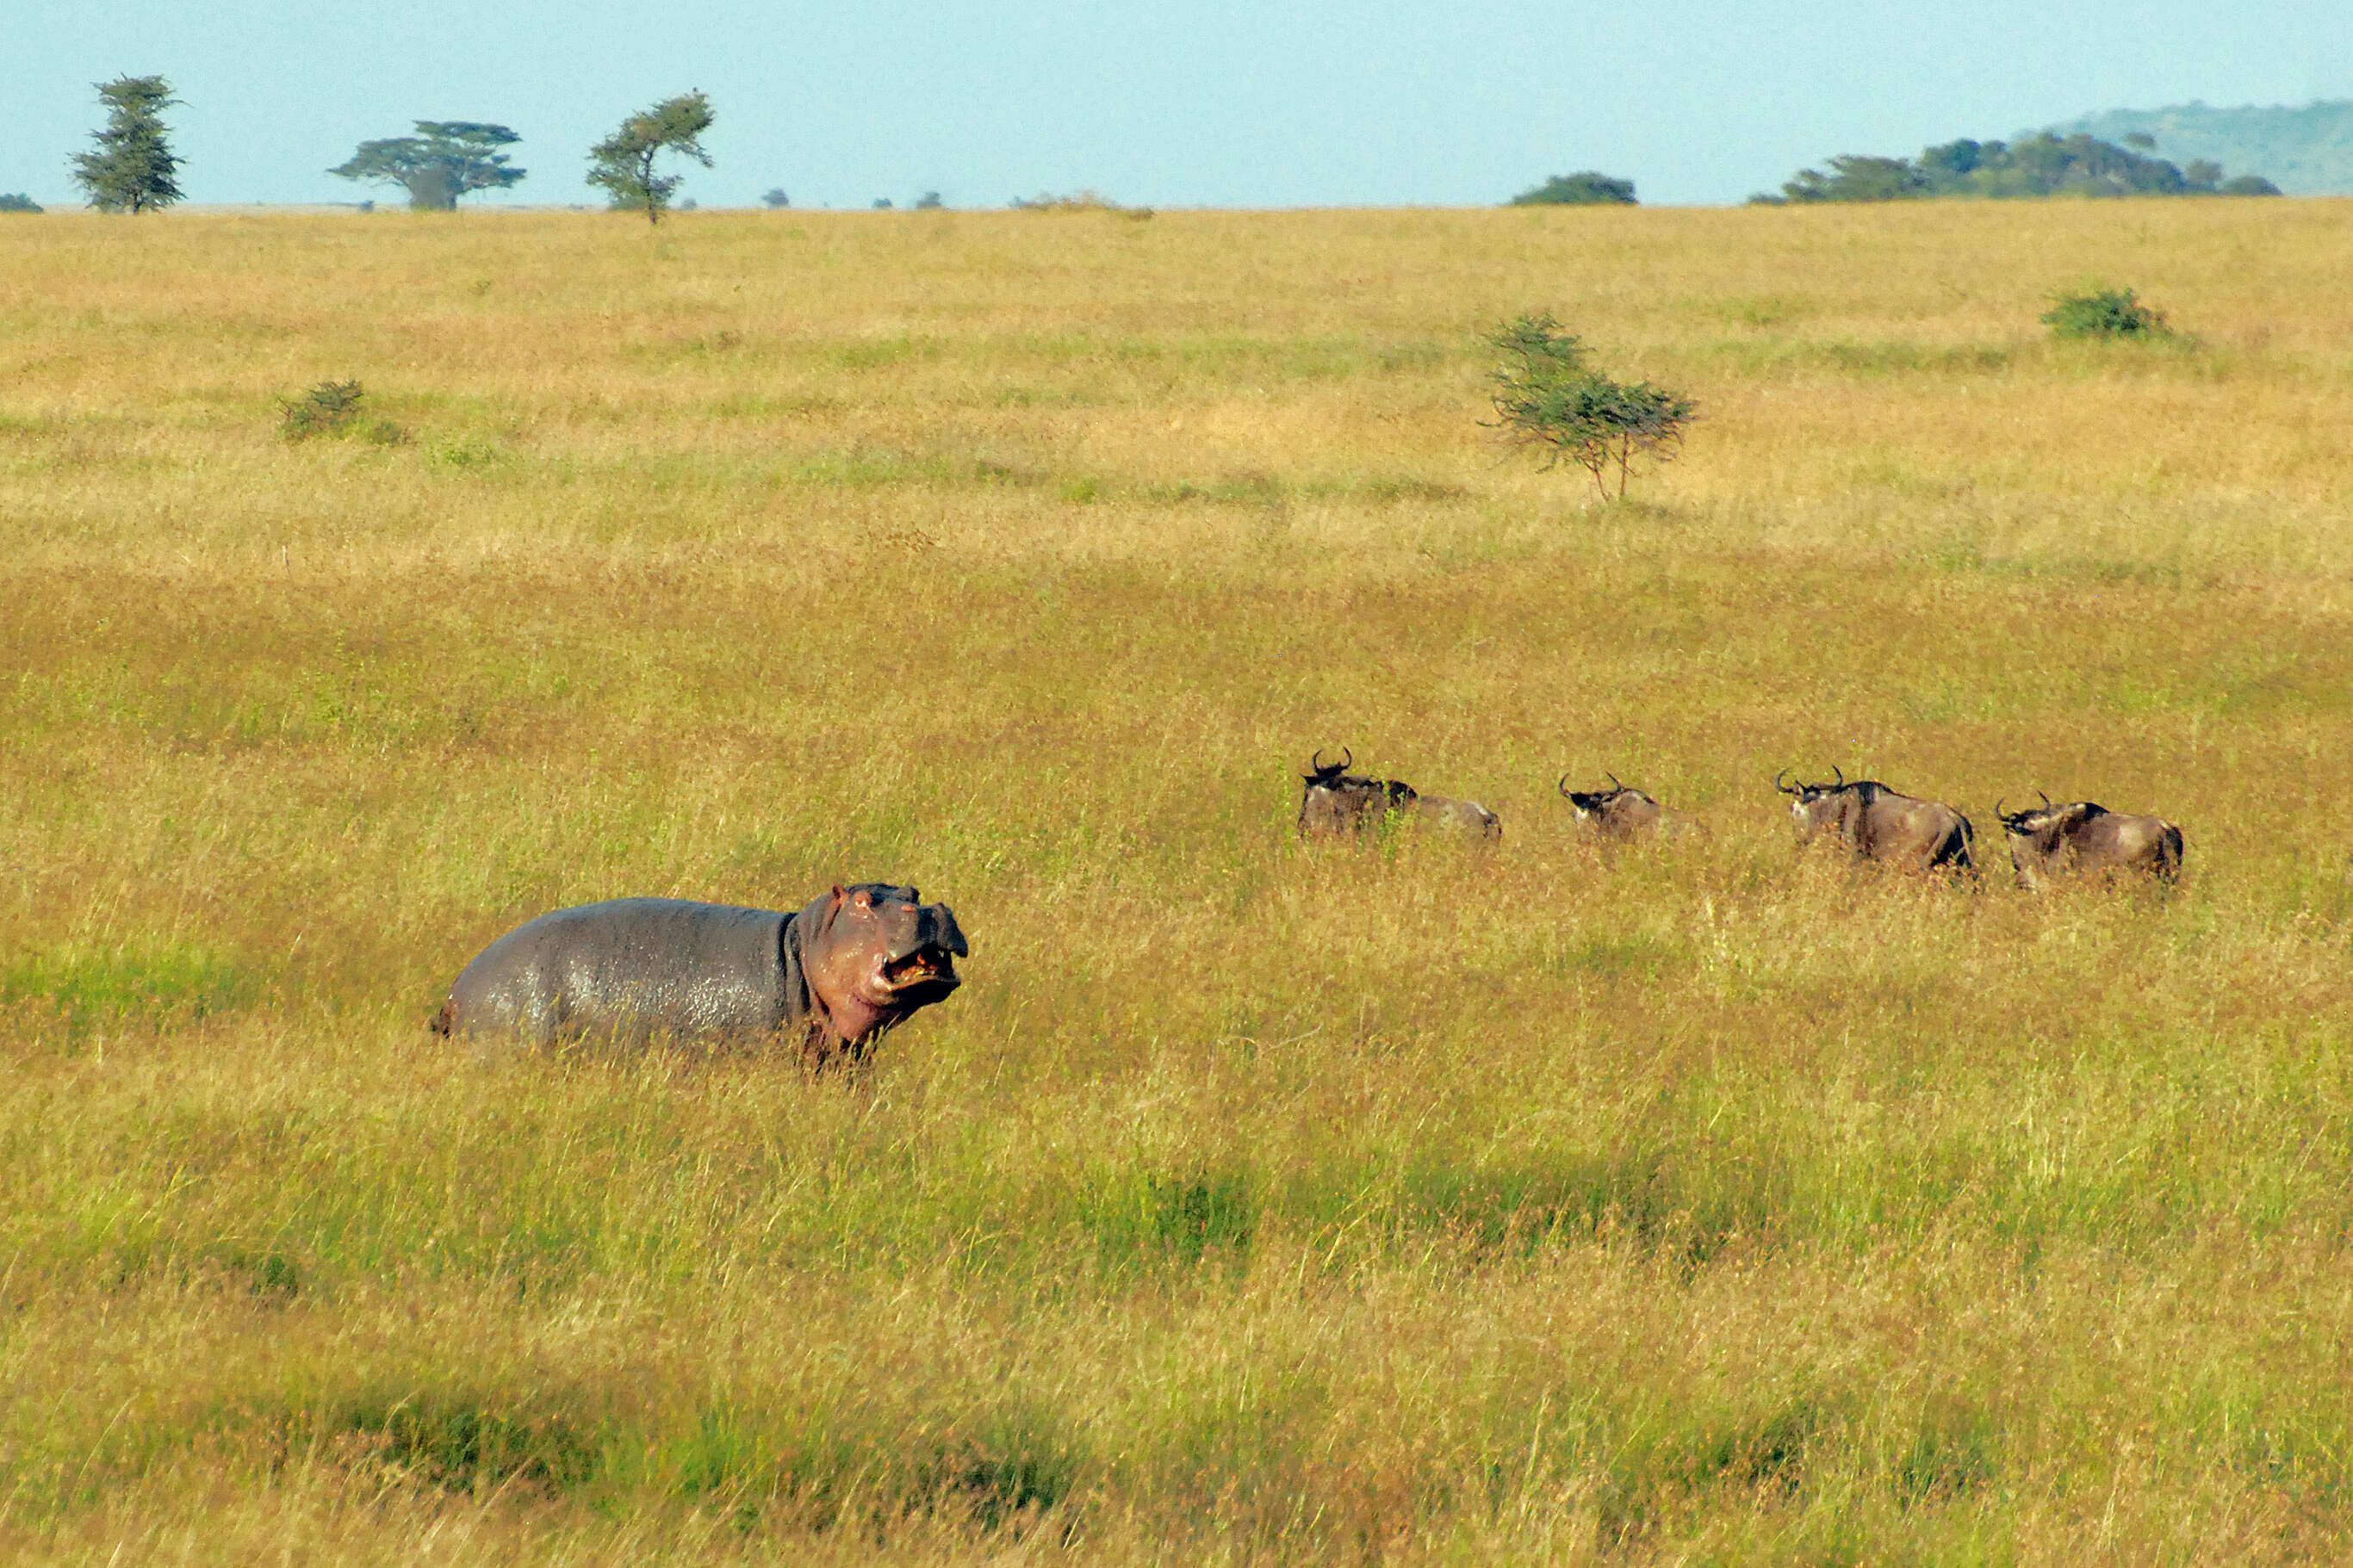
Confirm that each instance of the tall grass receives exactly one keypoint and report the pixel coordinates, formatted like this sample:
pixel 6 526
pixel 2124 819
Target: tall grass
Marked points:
pixel 1251 1202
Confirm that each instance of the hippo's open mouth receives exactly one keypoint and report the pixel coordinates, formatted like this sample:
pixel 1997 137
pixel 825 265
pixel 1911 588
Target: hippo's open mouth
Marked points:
pixel 927 966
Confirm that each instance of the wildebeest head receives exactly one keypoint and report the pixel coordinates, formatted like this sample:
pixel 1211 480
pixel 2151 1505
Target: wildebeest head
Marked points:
pixel 1620 811
pixel 1814 807
pixel 2045 826
pixel 872 953
pixel 1338 801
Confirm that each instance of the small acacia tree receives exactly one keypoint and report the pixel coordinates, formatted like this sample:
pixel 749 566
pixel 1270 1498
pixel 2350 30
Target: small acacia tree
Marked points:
pixel 445 159
pixel 1547 396
pixel 623 163
pixel 132 169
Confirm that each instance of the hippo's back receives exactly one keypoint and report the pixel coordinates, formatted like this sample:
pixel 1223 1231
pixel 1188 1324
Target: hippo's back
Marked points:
pixel 631 968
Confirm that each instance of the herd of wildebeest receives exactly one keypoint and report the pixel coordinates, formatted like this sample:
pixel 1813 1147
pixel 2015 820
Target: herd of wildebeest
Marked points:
pixel 1872 822
pixel 834 976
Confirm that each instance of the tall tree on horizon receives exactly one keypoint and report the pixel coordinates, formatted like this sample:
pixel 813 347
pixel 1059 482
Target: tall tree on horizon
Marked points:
pixel 623 163
pixel 133 168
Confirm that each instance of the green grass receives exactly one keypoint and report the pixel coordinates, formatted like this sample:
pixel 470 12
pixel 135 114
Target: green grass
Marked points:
pixel 1253 1202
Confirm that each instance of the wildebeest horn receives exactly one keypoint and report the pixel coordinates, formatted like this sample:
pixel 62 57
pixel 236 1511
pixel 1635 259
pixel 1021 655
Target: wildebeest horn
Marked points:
pixel 1784 789
pixel 1614 785
pixel 2046 799
pixel 1999 814
pixel 1842 774
pixel 1563 786
pixel 1347 760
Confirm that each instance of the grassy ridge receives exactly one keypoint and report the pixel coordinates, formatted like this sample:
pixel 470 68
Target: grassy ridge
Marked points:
pixel 1250 1202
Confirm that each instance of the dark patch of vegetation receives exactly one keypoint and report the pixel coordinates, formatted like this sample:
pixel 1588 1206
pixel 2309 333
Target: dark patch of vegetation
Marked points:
pixel 1145 1217
pixel 1014 1464
pixel 2104 313
pixel 1588 187
pixel 17 201
pixel 1953 1454
pixel 463 1446
pixel 2039 165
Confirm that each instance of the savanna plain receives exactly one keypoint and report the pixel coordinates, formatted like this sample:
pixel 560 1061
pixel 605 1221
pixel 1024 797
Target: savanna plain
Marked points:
pixel 1253 1202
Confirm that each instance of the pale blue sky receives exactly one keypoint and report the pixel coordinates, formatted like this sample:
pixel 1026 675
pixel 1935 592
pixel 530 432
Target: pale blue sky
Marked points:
pixel 1188 103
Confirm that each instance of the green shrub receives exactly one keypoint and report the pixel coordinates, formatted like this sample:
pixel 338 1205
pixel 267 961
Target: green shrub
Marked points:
pixel 335 408
pixel 330 408
pixel 1547 396
pixel 2104 313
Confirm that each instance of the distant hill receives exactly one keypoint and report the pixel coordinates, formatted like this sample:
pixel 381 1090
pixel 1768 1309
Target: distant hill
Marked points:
pixel 2306 151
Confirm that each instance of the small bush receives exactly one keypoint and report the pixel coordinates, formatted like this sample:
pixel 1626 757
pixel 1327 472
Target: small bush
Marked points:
pixel 330 408
pixel 2104 313
pixel 335 408
pixel 17 201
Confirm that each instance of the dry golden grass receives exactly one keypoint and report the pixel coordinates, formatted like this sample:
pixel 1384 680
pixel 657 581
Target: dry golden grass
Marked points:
pixel 1251 1203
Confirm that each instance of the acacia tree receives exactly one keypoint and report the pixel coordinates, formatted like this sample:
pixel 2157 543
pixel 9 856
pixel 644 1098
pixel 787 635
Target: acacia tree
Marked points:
pixel 1588 187
pixel 445 159
pixel 133 168
pixel 623 163
pixel 1548 396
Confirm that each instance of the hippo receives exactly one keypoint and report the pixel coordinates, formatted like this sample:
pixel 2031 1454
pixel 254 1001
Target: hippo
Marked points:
pixel 829 979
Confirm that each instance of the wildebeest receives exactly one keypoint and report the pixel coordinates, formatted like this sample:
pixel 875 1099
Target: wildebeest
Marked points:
pixel 2085 836
pixel 829 978
pixel 1875 823
pixel 1621 814
pixel 1336 802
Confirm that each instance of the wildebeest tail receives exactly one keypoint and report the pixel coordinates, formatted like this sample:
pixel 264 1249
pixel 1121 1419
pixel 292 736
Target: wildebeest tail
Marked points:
pixel 2169 865
pixel 445 1019
pixel 1958 851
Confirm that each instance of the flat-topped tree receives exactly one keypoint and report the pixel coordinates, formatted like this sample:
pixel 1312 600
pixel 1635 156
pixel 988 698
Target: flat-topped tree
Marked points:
pixel 623 163
pixel 1586 188
pixel 445 160
pixel 133 170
